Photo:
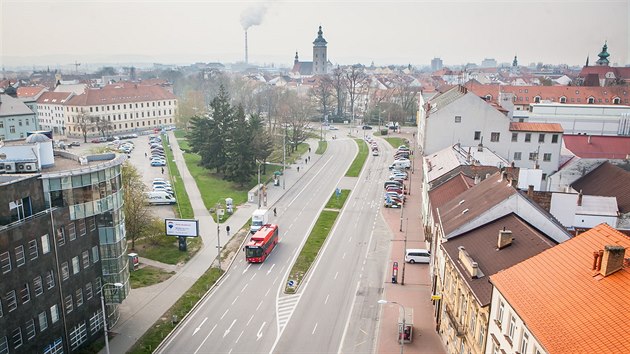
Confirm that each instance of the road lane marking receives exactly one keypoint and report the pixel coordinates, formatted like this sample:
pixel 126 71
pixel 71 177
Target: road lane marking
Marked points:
pixel 275 280
pixel 225 313
pixel 260 304
pixel 259 334
pixel 314 328
pixel 345 330
pixel 268 290
pixel 199 327
pixel 250 320
pixel 269 271
pixel 245 287
pixel 326 301
pixel 350 239
pixel 336 274
pixel 260 266
pixel 246 268
pixel 252 278
pixel 227 331
pixel 205 339
pixel 239 337
pixel 236 298
pixel 344 256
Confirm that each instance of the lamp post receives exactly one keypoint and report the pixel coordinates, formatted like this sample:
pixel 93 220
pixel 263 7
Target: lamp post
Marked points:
pixel 258 185
pixel 118 286
pixel 400 332
pixel 284 157
pixel 218 236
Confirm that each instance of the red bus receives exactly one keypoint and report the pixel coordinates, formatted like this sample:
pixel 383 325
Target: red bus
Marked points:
pixel 261 243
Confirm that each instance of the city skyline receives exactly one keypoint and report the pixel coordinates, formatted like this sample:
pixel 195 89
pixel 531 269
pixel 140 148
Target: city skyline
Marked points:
pixel 46 32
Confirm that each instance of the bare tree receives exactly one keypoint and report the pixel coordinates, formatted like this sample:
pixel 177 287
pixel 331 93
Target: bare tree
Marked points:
pixel 406 95
pixel 295 113
pixel 355 80
pixel 323 94
pixel 103 126
pixel 86 124
pixel 191 104
pixel 339 86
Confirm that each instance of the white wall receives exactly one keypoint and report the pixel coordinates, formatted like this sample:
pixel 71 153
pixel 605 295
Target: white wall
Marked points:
pixel 525 148
pixel 584 119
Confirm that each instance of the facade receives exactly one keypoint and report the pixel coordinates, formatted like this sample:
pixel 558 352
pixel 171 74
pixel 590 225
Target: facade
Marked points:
pixel 319 65
pixel 536 145
pixel 50 111
pixel 119 109
pixel 16 119
pixel 62 243
pixel 567 299
pixel 436 64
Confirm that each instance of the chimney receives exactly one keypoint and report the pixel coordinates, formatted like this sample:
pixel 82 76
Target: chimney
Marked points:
pixel 579 201
pixel 505 238
pixel 477 179
pixel 612 260
pixel 246 53
pixel 503 176
pixel 530 191
pixel 595 259
pixel 469 264
pixel 588 139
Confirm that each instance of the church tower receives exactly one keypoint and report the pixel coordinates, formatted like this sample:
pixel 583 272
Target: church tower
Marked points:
pixel 603 56
pixel 320 58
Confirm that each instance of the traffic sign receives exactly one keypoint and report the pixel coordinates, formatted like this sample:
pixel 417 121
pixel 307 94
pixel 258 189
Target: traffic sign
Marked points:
pixel 291 283
pixel 436 297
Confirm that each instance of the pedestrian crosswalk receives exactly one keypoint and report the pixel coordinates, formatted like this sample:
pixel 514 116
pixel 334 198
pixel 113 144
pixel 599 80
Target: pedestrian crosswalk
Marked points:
pixel 284 309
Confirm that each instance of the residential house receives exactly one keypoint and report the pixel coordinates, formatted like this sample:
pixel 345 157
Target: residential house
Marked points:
pixel 577 211
pixel 50 111
pixel 568 299
pixel 536 145
pixel 16 119
pixel 470 259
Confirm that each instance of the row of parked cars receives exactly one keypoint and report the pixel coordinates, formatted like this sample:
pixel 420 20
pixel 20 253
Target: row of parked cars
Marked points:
pixel 373 145
pixel 395 188
pixel 161 192
pixel 157 158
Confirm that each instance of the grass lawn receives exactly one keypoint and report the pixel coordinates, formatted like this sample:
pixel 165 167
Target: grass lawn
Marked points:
pixel 359 160
pixel 167 250
pixel 148 275
pixel 183 208
pixel 395 142
pixel 321 147
pixel 337 202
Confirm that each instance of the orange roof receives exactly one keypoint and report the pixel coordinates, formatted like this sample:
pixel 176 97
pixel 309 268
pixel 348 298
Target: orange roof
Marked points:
pixel 564 303
pixel 113 94
pixel 29 91
pixel 536 127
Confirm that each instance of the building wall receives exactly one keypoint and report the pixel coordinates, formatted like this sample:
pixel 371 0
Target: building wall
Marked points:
pixel 15 127
pixel 51 117
pixel 541 150
pixel 320 60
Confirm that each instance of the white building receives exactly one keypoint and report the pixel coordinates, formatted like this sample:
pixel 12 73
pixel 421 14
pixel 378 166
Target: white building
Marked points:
pixel 50 109
pixel 583 211
pixel 536 145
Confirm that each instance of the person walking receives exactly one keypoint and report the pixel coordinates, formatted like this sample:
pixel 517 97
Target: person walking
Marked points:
pixel 162 170
pixel 309 149
pixel 309 158
pixel 145 154
pixel 227 230
pixel 275 213
pixel 298 169
pixel 305 160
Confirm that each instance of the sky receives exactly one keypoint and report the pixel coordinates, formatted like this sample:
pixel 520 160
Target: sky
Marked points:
pixel 60 32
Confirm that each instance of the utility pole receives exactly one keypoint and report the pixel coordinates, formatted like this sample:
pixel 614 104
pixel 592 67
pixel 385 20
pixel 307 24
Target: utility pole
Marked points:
pixel 284 158
pixel 403 270
pixel 401 212
pixel 218 237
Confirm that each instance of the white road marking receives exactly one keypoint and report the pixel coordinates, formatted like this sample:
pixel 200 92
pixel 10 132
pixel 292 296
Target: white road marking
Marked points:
pixel 246 268
pixel 260 304
pixel 205 339
pixel 275 280
pixel 236 298
pixel 336 274
pixel 252 278
pixel 326 301
pixel 225 313
pixel 239 337
pixel 344 256
pixel 245 287
pixel 345 330
pixel 199 327
pixel 314 328
pixel 259 334
pixel 250 319
pixel 269 271
pixel 268 290
pixel 227 331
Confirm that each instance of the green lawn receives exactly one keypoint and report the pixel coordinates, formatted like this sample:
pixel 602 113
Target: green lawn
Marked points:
pixel 337 202
pixel 395 142
pixel 183 208
pixel 148 275
pixel 167 249
pixel 359 160
pixel 321 148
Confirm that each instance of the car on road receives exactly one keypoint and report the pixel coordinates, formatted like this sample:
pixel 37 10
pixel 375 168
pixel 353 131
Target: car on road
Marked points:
pixel 366 127
pixel 75 143
pixel 375 152
pixel 158 163
pixel 333 128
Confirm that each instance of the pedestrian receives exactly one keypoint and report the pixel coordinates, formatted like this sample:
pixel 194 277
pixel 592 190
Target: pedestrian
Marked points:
pixel 274 212
pixel 162 170
pixel 309 149
pixel 305 161
pixel 145 154
pixel 309 158
pixel 298 169
pixel 227 229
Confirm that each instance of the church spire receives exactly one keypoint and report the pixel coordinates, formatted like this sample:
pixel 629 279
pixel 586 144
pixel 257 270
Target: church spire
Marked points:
pixel 296 58
pixel 603 56
pixel 587 57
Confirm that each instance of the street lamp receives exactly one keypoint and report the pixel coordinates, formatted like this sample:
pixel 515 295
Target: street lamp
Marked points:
pixel 401 331
pixel 218 235
pixel 117 286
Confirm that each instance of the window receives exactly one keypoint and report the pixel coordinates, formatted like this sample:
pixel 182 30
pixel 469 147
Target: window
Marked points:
pixel 494 137
pixel 75 265
pixel 50 279
pixel 32 249
pixel 45 244
pixel 5 262
pixel 554 139
pixel 563 99
pixel 82 231
pixel 94 254
pixel 68 302
pixel 97 285
pixel 86 259
pixel 54 313
pixel 38 285
pixel 616 100
pixel 11 301
pixel 541 138
pixel 533 156
pixel 528 137
pixel 96 322
pixel 4 345
pixel 30 329
pixel 72 231
pixel 517 156
pixel 514 137
pixel 524 342
pixel 546 157
pixel 512 328
pixel 19 256
pixel 92 224
pixel 65 273
pixel 78 335
pixel 482 335
pixel 61 236
pixel 25 293
pixel 17 337
pixel 1 313
pixel 43 321
pixel 79 297
pixel 458 119
pixel 591 100
pixel 88 291
pixel 499 318
pixel 477 135
pixel 473 322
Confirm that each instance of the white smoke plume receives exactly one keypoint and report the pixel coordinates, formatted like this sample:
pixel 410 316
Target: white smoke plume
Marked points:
pixel 253 16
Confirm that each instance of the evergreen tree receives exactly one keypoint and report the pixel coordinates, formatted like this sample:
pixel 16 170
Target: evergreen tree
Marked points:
pixel 262 142
pixel 240 165
pixel 222 117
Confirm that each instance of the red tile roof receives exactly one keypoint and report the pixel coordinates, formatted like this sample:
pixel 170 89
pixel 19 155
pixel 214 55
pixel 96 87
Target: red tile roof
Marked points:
pixel 607 180
pixel 29 91
pixel 53 97
pixel 116 94
pixel 565 304
pixel 536 127
pixel 449 190
pixel 598 147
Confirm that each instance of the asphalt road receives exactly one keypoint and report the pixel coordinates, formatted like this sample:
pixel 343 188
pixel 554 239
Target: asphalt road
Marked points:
pixel 247 311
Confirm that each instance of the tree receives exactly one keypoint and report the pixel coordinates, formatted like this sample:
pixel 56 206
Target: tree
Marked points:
pixel 323 94
pixel 135 208
pixel 355 78
pixel 241 163
pixel 339 87
pixel 103 126
pixel 191 104
pixel 86 124
pixel 295 113
pixel 262 142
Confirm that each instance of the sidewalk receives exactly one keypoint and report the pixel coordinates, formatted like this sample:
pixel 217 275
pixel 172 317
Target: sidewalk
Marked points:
pixel 415 294
pixel 146 305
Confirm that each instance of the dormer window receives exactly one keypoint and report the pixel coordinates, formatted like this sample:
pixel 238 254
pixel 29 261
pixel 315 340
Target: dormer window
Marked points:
pixel 563 99
pixel 591 100
pixel 616 100
pixel 537 99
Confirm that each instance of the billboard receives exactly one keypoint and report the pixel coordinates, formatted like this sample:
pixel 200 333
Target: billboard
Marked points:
pixel 181 227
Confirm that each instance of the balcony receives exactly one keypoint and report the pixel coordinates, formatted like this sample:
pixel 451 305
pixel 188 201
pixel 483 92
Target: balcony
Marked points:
pixel 460 329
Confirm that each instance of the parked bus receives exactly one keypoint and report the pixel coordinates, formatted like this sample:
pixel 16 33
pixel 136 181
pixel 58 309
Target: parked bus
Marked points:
pixel 261 243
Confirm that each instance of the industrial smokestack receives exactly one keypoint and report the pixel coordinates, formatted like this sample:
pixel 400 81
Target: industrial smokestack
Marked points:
pixel 246 56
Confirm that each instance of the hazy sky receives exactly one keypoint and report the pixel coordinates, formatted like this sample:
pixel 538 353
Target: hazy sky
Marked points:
pixel 58 32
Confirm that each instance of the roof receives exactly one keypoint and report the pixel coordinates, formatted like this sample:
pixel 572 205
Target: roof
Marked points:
pixel 53 97
pixel 596 146
pixel 481 245
pixel 443 99
pixel 474 202
pixel 30 91
pixel 442 162
pixel 303 67
pixel 564 304
pixel 607 180
pixel 536 127
pixel 10 106
pixel 117 94
pixel 525 95
pixel 449 190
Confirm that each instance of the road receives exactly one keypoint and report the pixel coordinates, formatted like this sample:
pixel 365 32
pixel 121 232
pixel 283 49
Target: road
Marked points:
pixel 241 315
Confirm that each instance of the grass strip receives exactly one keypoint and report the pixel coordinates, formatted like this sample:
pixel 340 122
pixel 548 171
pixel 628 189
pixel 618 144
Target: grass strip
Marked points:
pixel 183 208
pixel 359 160
pixel 321 148
pixel 395 142
pixel 165 249
pixel 337 202
pixel 163 326
pixel 148 276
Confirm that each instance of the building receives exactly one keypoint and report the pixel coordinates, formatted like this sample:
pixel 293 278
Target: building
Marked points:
pixel 489 63
pixel 50 111
pixel 62 243
pixel 602 74
pixel 319 65
pixel 536 145
pixel 119 109
pixel 436 64
pixel 16 119
pixel 567 299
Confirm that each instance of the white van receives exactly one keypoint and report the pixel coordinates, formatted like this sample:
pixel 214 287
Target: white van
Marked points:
pixel 417 255
pixel 160 197
pixel 400 164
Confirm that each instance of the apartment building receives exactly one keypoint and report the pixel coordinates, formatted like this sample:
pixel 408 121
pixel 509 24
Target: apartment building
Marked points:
pixel 16 119
pixel 119 109
pixel 536 146
pixel 50 111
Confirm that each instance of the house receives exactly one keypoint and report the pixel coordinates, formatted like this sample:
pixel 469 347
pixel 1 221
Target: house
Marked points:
pixel 16 119
pixel 582 212
pixel 536 145
pixel 470 259
pixel 50 111
pixel 568 299
pixel 598 146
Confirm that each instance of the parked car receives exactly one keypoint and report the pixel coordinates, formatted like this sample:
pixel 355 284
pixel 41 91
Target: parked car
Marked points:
pixel 95 141
pixel 366 127
pixel 158 163
pixel 75 143
pixel 333 128
pixel 393 203
pixel 166 189
pixel 161 183
pixel 417 255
